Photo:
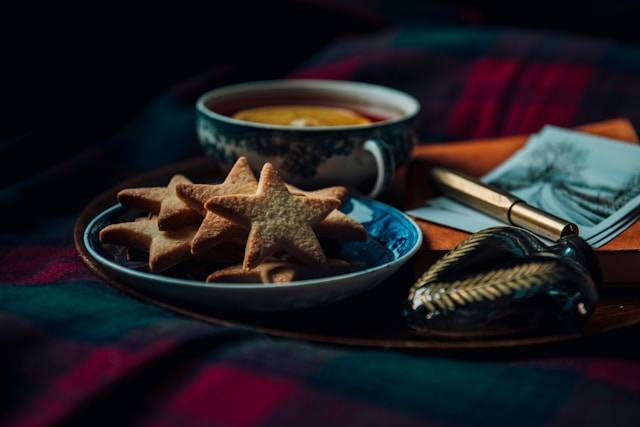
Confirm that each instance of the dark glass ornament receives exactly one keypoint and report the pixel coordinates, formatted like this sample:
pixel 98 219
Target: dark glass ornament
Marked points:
pixel 503 281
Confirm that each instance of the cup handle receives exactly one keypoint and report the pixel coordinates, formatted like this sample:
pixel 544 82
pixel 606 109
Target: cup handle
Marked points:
pixel 385 165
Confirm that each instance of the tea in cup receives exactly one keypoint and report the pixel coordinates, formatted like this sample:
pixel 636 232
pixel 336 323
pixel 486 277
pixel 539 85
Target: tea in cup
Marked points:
pixel 316 132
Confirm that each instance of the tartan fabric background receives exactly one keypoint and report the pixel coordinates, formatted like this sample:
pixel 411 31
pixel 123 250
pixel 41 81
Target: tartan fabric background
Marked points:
pixel 76 352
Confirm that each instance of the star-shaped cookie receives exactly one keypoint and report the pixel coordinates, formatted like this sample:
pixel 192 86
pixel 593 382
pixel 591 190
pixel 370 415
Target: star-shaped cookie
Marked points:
pixel 277 220
pixel 165 248
pixel 172 212
pixel 278 272
pixel 215 228
pixel 336 225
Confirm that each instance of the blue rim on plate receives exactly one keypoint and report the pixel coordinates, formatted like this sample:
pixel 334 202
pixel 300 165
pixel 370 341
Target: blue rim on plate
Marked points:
pixel 394 238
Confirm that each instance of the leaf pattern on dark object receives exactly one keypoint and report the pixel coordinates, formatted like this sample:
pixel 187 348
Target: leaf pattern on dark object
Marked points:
pixel 451 257
pixel 486 286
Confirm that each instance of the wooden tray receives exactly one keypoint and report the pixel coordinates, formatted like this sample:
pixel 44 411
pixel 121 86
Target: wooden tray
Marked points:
pixel 371 320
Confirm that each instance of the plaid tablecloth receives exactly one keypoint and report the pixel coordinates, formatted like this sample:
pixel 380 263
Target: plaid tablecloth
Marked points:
pixel 73 351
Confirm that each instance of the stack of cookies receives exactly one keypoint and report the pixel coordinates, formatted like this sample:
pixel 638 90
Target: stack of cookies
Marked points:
pixel 259 231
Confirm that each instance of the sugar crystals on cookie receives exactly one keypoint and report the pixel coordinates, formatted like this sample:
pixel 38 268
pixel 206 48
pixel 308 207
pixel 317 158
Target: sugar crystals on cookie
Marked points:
pixel 278 220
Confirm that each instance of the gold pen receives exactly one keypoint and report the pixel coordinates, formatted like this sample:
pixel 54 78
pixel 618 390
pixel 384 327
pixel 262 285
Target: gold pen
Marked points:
pixel 500 205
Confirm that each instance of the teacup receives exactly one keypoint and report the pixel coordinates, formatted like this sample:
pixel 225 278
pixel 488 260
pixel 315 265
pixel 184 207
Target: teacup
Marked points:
pixel 311 157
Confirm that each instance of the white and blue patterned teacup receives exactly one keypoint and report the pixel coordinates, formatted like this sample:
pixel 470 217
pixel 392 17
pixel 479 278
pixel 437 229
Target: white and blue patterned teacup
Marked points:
pixel 311 157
